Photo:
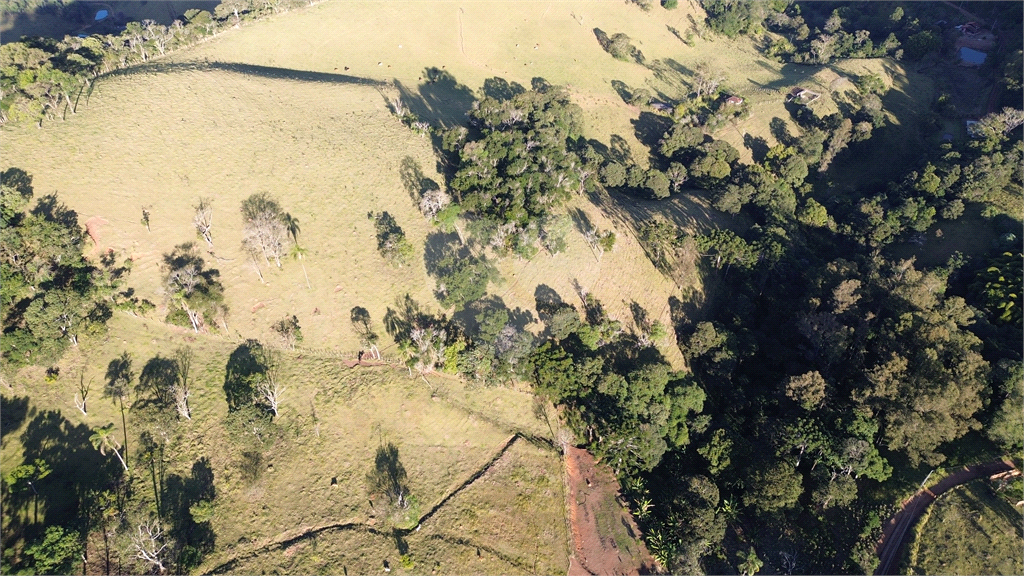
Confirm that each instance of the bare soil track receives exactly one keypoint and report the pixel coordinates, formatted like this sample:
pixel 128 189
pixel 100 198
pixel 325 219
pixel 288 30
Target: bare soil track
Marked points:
pixel 605 540
pixel 890 546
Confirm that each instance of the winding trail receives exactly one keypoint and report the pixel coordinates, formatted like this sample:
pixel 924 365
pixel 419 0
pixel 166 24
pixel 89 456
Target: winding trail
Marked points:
pixel 890 545
pixel 286 539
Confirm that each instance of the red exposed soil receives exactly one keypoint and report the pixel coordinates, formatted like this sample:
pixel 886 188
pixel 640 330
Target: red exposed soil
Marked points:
pixel 92 228
pixel 593 492
pixel 890 546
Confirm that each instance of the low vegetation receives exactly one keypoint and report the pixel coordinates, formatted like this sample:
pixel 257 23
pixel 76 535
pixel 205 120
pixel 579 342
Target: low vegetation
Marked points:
pixel 796 355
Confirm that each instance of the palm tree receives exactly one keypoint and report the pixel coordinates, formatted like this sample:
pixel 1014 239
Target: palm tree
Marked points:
pixel 298 253
pixel 102 438
pixel 292 224
pixel 119 381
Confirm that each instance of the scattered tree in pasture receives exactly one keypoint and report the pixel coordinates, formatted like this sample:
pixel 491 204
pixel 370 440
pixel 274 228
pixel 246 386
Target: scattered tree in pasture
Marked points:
pixel 391 241
pixel 102 439
pixel 82 394
pixel 270 390
pixel 203 219
pixel 246 367
pixel 119 383
pixel 360 318
pixel 264 231
pixel 181 390
pixel 421 337
pixel 194 291
pixel 706 80
pixel 289 330
pixel 388 476
pixel 145 218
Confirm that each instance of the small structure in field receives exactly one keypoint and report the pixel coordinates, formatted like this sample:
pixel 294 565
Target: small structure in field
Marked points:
pixel 661 106
pixel 802 94
pixel 734 101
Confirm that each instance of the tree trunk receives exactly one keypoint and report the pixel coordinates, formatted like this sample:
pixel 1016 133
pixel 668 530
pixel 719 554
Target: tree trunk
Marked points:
pixel 124 426
pixel 306 275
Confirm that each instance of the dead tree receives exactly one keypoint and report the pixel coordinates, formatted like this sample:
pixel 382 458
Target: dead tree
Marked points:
pixel 203 220
pixel 83 391
pixel 270 391
pixel 180 389
pixel 146 541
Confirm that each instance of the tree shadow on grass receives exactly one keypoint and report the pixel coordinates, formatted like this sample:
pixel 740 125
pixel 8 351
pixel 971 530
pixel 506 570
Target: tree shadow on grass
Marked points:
pixel 245 364
pixel 78 472
pixel 179 496
pixel 439 99
pixel 466 318
pixel 650 129
pixel 413 179
pixel 157 378
pixel 757 145
pixel 500 89
pixel 388 477
pixel 440 245
pixel 13 412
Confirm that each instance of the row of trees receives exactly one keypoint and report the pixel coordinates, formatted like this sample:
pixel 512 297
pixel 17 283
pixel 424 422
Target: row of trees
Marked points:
pixel 44 77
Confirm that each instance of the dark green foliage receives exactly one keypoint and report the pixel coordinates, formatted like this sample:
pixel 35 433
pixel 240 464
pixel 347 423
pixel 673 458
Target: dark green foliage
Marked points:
pixel 631 408
pixel 659 239
pixel 192 288
pixel 733 17
pixel 49 292
pixel 916 46
pixel 391 241
pixel 462 278
pixel 246 366
pixel 520 164
pixel 58 551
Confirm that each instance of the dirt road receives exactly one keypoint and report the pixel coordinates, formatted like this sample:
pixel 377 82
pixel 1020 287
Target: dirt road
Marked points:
pixel 890 546
pixel 605 540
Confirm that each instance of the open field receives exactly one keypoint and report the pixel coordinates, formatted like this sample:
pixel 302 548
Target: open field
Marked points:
pixel 290 106
pixel 308 472
pixel 969 531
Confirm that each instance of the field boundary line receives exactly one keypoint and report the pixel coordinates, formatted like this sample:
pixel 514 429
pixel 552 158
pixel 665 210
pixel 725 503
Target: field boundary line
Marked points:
pixel 289 538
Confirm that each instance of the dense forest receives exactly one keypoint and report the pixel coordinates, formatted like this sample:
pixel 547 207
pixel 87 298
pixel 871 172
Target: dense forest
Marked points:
pixel 824 368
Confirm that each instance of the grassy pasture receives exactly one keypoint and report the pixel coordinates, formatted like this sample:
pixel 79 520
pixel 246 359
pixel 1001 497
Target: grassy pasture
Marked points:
pixel 271 107
pixel 444 432
pixel 968 531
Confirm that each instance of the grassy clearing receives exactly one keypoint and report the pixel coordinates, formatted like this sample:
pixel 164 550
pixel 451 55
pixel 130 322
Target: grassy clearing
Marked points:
pixel 444 434
pixel 969 530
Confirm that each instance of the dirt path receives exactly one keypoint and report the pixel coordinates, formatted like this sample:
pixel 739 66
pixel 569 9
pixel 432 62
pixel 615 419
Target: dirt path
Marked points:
pixel 605 540
pixel 890 545
pixel 286 539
